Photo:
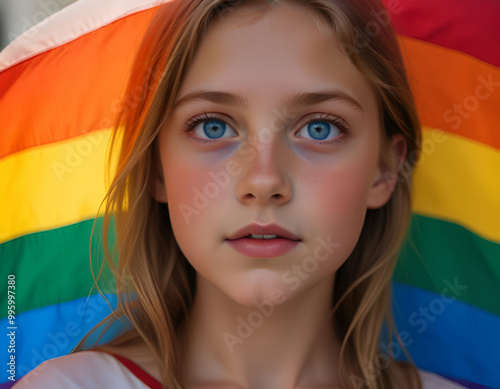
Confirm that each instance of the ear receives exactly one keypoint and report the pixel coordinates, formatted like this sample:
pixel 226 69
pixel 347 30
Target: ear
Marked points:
pixel 157 187
pixel 386 176
pixel 156 184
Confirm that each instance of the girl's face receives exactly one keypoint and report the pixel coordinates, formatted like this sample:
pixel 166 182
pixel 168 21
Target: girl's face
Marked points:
pixel 282 129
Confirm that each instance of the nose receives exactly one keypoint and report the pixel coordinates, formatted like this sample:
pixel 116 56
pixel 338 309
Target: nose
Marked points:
pixel 266 176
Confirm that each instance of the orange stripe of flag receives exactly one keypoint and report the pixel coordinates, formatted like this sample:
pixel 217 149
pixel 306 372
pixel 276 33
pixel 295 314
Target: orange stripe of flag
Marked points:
pixel 454 91
pixel 69 90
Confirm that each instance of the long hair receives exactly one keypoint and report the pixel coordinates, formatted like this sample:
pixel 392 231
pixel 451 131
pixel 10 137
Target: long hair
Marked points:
pixel 155 283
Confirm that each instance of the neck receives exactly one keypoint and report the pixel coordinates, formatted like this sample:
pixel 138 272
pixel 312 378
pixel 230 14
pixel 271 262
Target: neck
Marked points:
pixel 285 346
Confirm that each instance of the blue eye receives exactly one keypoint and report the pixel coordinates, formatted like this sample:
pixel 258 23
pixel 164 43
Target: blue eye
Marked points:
pixel 210 128
pixel 207 127
pixel 214 128
pixel 320 130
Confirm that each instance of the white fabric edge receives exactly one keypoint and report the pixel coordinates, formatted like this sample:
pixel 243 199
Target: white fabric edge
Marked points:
pixel 74 369
pixel 68 24
pixel 434 381
pixel 84 369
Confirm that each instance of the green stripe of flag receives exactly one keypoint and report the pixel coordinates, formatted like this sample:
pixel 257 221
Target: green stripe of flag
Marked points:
pixel 53 266
pixel 449 254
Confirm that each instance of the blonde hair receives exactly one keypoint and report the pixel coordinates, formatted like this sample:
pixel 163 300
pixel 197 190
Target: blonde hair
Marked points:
pixel 155 283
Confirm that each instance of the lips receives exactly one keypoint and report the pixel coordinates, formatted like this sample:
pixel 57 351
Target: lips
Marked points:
pixel 268 229
pixel 263 248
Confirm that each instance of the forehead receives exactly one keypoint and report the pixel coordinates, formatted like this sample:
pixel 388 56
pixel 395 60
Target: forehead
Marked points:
pixel 263 51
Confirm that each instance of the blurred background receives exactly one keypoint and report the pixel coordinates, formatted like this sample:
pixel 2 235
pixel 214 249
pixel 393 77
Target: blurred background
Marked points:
pixel 17 16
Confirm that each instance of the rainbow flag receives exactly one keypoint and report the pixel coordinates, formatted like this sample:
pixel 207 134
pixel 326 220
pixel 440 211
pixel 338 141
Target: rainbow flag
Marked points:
pixel 60 87
pixel 447 282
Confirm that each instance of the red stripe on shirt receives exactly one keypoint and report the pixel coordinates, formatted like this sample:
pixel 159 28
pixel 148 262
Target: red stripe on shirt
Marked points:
pixel 141 374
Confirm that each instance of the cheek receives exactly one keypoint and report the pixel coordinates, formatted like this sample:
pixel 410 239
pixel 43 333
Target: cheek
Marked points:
pixel 194 197
pixel 338 201
pixel 186 187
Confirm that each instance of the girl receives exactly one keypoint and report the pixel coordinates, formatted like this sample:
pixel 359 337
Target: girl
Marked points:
pixel 258 202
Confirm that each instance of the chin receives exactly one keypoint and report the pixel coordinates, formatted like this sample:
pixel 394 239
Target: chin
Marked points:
pixel 256 287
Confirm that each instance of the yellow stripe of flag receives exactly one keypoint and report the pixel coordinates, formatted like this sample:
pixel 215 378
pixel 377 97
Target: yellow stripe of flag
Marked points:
pixel 458 179
pixel 69 178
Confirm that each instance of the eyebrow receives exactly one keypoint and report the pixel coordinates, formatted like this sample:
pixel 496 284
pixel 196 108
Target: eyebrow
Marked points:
pixel 290 102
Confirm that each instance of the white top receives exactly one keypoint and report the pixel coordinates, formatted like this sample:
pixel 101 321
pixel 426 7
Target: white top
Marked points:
pixel 97 370
pixel 81 370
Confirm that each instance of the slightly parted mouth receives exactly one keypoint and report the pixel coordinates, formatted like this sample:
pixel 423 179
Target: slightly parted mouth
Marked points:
pixel 277 237
pixel 268 229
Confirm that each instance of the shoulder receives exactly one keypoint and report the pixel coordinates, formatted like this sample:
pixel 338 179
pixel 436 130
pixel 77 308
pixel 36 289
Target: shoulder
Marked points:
pixel 406 376
pixel 434 381
pixel 84 369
